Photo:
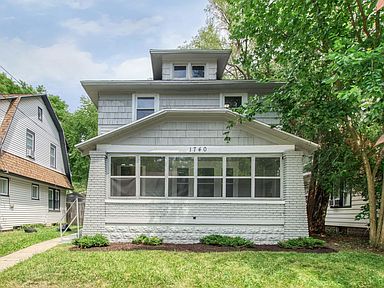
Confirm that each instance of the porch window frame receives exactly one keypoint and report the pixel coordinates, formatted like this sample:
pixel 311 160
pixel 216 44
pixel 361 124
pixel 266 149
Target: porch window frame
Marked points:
pixel 195 157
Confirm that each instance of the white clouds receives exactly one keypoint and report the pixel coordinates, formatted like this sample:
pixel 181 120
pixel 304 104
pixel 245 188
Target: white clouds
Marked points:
pixel 61 66
pixel 106 26
pixel 45 4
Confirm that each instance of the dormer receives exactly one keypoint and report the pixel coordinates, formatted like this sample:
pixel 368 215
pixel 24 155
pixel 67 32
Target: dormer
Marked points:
pixel 188 64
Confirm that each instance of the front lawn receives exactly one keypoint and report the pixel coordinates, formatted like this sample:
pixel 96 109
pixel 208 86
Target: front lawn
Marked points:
pixel 60 267
pixel 11 241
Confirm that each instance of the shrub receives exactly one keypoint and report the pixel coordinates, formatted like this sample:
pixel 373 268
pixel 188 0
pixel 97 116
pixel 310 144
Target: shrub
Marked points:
pixel 302 242
pixel 220 240
pixel 143 239
pixel 97 240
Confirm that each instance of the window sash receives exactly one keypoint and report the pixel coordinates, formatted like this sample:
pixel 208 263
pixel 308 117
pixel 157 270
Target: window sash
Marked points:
pixel 53 199
pixel 52 156
pixel 4 186
pixel 35 193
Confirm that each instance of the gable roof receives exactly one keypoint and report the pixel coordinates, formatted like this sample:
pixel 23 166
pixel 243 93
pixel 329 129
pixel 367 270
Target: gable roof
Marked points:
pixel 157 55
pixel 9 115
pixel 300 143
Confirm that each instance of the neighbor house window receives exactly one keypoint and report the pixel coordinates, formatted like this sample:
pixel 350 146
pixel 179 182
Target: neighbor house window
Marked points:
pixel 123 176
pixel 341 196
pixel 152 176
pixel 267 177
pixel 146 105
pixel 52 156
pixel 4 186
pixel 195 176
pixel 238 177
pixel 40 113
pixel 198 71
pixel 180 71
pixel 181 177
pixel 35 192
pixel 53 199
pixel 30 144
pixel 209 176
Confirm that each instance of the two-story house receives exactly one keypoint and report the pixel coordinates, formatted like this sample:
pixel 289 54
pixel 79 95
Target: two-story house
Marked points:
pixel 34 169
pixel 161 166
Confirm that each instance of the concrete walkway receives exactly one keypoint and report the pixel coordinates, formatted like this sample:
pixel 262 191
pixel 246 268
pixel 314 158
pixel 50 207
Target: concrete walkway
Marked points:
pixel 23 254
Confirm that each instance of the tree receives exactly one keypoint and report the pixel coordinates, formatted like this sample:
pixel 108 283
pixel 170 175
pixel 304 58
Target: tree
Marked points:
pixel 330 54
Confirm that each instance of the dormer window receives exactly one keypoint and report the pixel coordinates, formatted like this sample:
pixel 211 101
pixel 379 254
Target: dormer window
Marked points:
pixel 198 71
pixel 180 71
pixel 233 100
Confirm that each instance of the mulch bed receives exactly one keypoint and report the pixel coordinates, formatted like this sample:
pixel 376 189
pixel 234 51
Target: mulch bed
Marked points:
pixel 200 248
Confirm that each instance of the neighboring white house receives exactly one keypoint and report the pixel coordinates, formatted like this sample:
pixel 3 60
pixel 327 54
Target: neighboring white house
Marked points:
pixel 34 170
pixel 160 164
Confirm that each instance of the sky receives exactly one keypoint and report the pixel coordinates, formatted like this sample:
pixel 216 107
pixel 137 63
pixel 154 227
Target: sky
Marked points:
pixel 57 43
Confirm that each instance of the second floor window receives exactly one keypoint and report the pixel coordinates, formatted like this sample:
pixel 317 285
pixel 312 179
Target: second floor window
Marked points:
pixel 52 158
pixel 30 144
pixel 145 107
pixel 40 113
pixel 179 71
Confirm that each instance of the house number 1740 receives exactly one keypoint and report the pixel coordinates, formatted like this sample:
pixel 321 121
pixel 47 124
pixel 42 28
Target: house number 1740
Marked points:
pixel 198 149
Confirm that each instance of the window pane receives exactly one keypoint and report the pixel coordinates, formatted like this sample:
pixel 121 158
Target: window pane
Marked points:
pixel 141 113
pixel 152 166
pixel 4 186
pixel 180 71
pixel 57 200
pixel 123 187
pixel 267 167
pixel 50 198
pixel 238 187
pixel 53 156
pixel 210 166
pixel 209 187
pixel 35 191
pixel 239 166
pixel 269 188
pixel 180 166
pixel 232 101
pixel 180 187
pixel 123 166
pixel 152 187
pixel 198 71
pixel 145 102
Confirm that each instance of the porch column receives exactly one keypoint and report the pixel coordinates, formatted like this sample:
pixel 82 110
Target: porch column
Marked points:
pixel 295 216
pixel 94 214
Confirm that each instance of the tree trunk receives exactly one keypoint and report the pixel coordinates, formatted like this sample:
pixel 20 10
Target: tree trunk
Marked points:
pixel 317 203
pixel 371 200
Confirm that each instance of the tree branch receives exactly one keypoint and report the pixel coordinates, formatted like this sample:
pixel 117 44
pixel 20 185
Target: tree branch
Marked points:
pixel 364 18
pixel 353 22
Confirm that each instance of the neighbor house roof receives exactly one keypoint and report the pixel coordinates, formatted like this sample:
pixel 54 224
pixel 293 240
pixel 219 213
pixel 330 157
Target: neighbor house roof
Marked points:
pixel 16 165
pixel 95 87
pixel 4 127
pixel 228 115
pixel 221 56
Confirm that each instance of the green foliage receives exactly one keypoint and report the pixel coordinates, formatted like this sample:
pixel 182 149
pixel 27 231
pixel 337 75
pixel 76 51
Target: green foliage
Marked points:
pixel 207 37
pixel 97 240
pixel 220 240
pixel 146 240
pixel 302 242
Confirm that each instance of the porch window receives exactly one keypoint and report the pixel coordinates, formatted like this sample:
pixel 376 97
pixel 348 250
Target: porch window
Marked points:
pixel 53 199
pixel 210 177
pixel 238 177
pixel 152 176
pixel 181 177
pixel 190 176
pixel 267 177
pixel 341 196
pixel 123 176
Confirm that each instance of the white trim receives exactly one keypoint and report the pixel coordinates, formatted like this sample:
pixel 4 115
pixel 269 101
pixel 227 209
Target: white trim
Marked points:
pixel 244 98
pixel 188 220
pixel 156 104
pixel 251 149
pixel 190 200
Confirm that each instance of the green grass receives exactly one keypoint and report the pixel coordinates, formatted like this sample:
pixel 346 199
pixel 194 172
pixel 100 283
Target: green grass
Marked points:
pixel 11 241
pixel 60 267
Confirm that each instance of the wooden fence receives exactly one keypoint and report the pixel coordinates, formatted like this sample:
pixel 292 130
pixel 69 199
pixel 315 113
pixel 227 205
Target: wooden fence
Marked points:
pixel 72 212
